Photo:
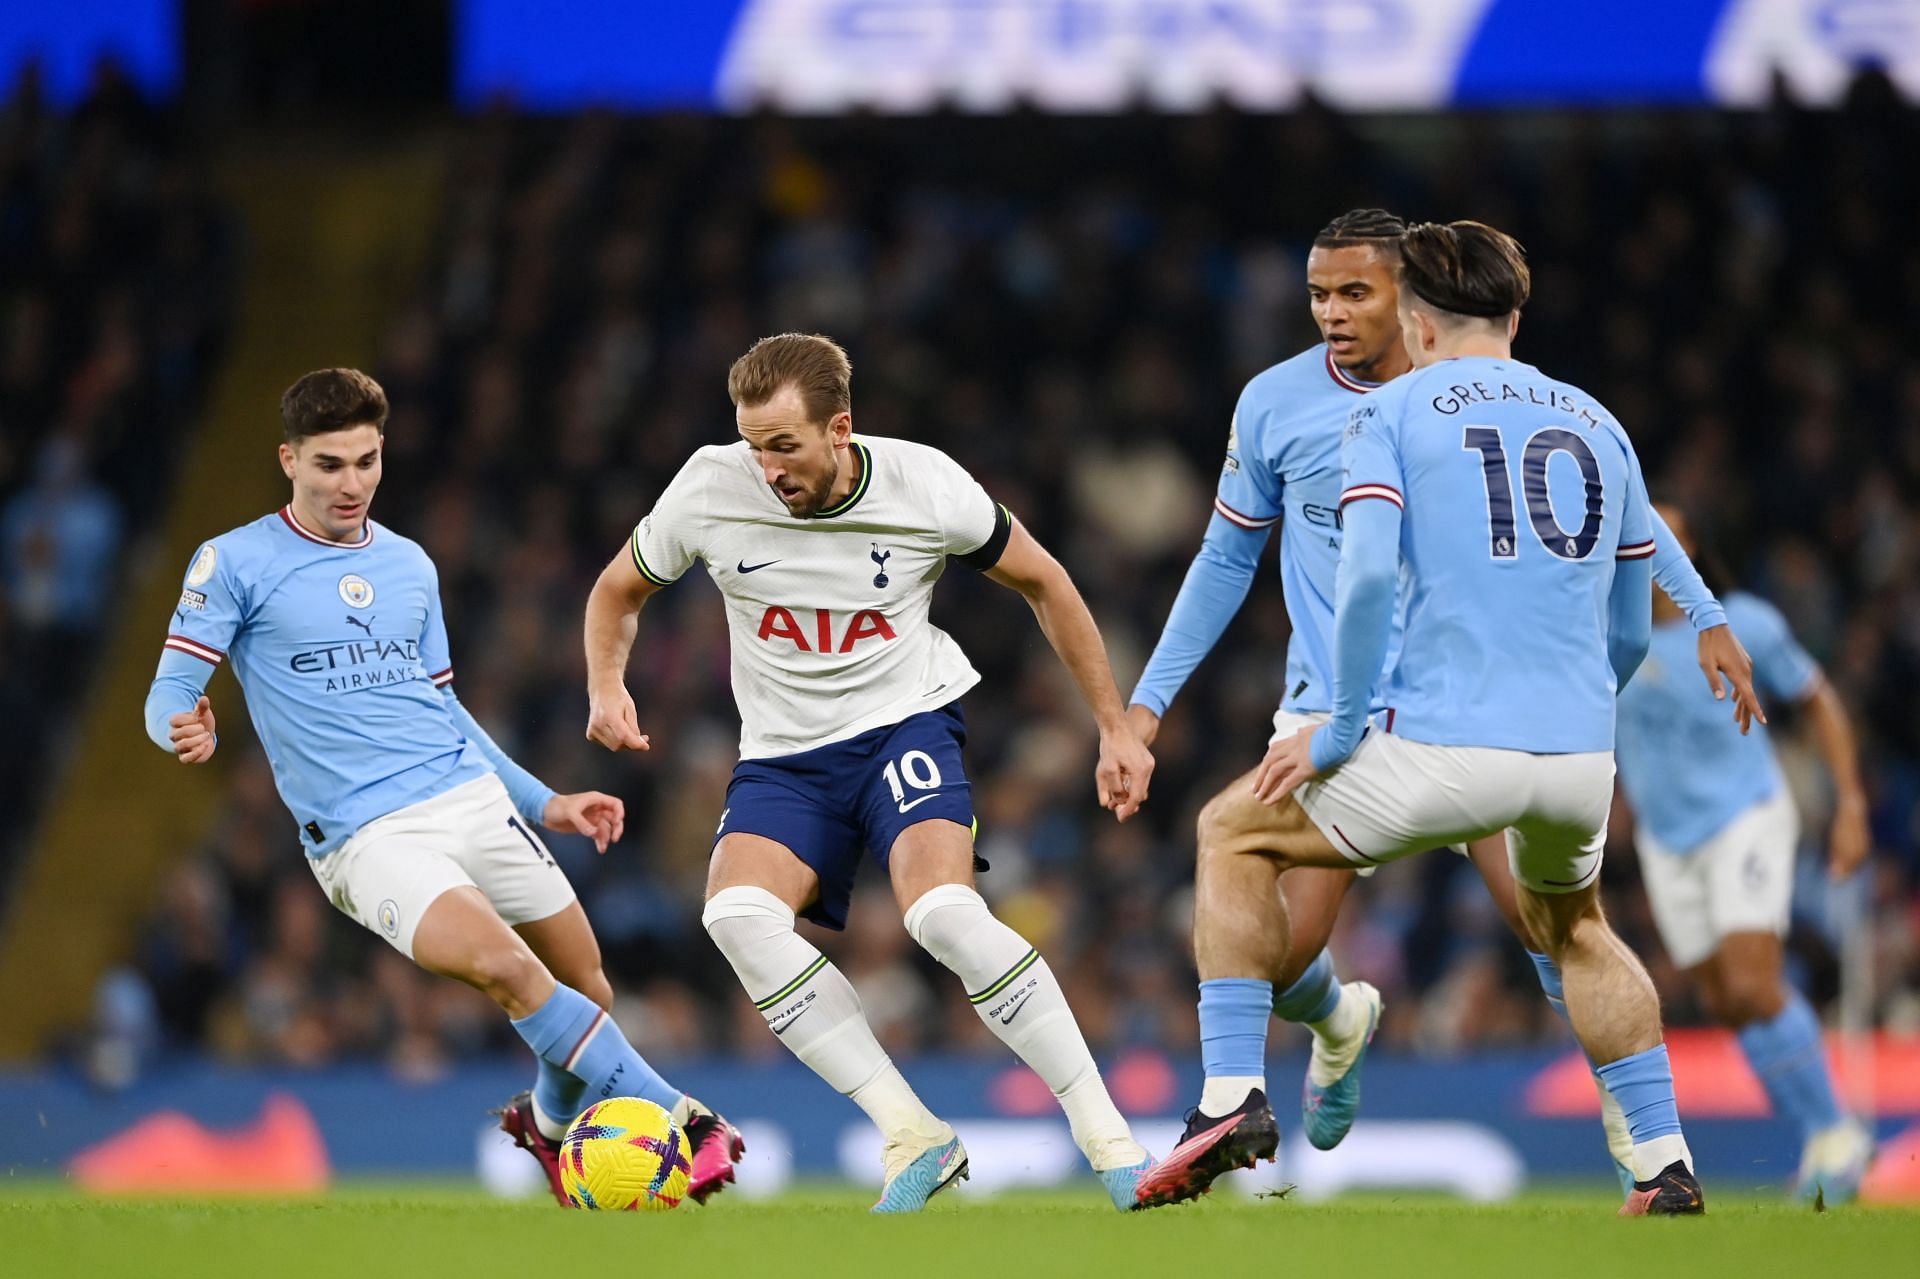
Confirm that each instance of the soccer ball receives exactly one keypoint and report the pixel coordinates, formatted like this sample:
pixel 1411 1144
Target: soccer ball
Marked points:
pixel 625 1155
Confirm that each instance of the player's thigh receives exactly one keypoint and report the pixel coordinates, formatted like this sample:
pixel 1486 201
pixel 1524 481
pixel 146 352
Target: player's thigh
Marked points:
pixel 1489 857
pixel 789 829
pixel 927 855
pixel 1749 870
pixel 504 857
pixel 1742 981
pixel 1235 822
pixel 391 871
pixel 741 860
pixel 915 802
pixel 1677 893
pixel 463 937
pixel 1555 844
pixel 565 943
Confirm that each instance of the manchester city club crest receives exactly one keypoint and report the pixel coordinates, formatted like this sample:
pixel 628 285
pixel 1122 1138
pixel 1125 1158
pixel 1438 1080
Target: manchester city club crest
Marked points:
pixel 202 565
pixel 356 590
pixel 390 918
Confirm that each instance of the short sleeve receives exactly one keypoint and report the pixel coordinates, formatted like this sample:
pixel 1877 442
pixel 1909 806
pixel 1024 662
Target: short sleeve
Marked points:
pixel 213 603
pixel 1250 488
pixel 1636 513
pixel 1370 455
pixel 667 540
pixel 1781 667
pixel 973 527
pixel 436 655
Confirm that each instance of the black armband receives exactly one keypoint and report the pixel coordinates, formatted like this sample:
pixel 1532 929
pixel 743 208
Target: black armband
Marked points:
pixel 995 546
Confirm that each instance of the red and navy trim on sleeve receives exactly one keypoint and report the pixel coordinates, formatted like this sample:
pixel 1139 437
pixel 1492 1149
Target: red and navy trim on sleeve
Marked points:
pixel 194 648
pixel 443 679
pixel 1386 492
pixel 1243 520
pixel 1637 551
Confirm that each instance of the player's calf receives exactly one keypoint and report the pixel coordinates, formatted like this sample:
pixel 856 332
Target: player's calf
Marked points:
pixel 1016 994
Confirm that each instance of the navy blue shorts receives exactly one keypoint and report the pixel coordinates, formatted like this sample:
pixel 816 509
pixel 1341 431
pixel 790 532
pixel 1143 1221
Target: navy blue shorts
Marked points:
pixel 831 803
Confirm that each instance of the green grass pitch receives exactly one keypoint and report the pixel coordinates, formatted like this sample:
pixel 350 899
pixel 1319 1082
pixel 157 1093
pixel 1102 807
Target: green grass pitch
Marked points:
pixel 366 1231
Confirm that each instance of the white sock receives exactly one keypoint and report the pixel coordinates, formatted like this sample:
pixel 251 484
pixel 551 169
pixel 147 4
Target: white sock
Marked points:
pixel 1337 1039
pixel 1019 999
pixel 1651 1157
pixel 811 1007
pixel 1222 1094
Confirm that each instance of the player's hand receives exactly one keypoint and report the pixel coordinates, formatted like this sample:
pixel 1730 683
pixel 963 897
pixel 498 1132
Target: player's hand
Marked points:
pixel 1123 772
pixel 612 721
pixel 602 818
pixel 191 733
pixel 1722 654
pixel 1288 765
pixel 1144 723
pixel 1851 839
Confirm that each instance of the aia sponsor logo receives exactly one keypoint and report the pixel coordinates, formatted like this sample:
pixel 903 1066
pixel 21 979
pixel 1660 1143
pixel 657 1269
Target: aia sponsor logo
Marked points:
pixel 827 632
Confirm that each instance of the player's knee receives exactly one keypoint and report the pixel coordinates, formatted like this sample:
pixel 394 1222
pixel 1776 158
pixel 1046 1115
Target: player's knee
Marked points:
pixel 1738 999
pixel 1215 828
pixel 595 986
pixel 741 917
pixel 505 973
pixel 940 919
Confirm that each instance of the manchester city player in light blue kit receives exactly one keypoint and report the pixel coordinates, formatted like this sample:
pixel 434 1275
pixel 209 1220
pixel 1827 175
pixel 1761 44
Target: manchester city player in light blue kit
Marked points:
pixel 1282 467
pixel 1503 516
pixel 1717 832
pixel 415 823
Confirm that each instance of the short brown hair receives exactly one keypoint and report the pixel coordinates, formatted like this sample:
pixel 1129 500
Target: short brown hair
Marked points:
pixel 815 366
pixel 1466 268
pixel 332 400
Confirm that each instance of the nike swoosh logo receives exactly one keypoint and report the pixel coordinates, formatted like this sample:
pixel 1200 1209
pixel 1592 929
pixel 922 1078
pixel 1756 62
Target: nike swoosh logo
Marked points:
pixel 1014 1012
pixel 781 1029
pixel 916 803
pixel 745 567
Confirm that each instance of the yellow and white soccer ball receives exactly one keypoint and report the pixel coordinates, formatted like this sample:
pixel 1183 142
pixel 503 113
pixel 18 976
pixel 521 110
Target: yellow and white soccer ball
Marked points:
pixel 625 1155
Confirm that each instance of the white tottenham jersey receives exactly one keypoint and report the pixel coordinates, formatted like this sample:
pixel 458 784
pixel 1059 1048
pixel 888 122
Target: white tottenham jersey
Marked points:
pixel 828 614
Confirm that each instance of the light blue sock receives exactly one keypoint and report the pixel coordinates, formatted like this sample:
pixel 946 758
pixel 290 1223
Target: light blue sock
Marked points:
pixel 1233 1025
pixel 1312 997
pixel 1788 1056
pixel 573 1034
pixel 558 1093
pixel 1549 974
pixel 1643 1085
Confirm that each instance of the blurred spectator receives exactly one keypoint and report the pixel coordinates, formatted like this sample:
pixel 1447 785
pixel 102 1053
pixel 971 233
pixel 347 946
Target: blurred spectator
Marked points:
pixel 115 269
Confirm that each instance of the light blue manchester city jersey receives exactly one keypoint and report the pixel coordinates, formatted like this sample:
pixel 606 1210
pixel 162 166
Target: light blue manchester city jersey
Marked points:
pixel 1684 763
pixel 1282 466
pixel 342 651
pixel 1518 493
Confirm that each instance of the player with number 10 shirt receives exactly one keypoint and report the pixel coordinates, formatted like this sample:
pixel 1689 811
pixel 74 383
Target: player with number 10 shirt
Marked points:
pixel 826 548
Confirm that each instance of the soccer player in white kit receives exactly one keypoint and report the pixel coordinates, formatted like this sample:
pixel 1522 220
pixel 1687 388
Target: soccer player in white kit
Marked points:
pixel 826 548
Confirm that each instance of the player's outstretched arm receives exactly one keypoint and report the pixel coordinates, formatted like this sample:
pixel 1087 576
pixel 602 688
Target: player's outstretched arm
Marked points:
pixel 1723 660
pixel 1125 766
pixel 613 619
pixel 1850 839
pixel 1215 587
pixel 178 713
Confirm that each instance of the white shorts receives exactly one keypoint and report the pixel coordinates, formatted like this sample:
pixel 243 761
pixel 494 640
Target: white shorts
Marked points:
pixel 1739 881
pixel 1395 797
pixel 391 869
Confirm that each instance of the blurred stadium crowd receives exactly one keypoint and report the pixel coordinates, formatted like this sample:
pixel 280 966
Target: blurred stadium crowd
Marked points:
pixel 1069 306
pixel 115 285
